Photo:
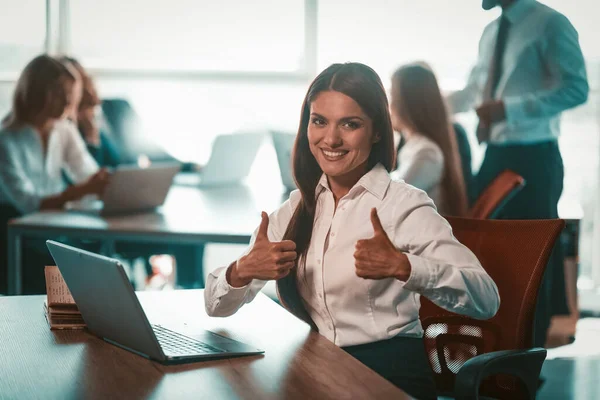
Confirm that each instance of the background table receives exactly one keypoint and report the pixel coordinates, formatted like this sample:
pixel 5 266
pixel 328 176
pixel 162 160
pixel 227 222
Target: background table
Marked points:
pixel 298 364
pixel 190 216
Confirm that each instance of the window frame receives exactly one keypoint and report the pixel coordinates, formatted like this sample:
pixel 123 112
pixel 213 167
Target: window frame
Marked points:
pixel 306 72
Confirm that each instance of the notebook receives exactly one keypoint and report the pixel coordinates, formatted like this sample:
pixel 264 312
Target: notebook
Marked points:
pixel 60 309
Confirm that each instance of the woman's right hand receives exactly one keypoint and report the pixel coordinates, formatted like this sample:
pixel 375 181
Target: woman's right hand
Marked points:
pixel 266 260
pixel 97 182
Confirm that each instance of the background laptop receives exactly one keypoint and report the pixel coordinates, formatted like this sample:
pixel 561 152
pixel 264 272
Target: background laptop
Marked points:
pixel 132 189
pixel 111 310
pixel 284 145
pixel 230 159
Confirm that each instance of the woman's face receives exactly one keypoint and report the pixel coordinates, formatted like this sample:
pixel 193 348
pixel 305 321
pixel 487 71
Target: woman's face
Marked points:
pixel 340 134
pixel 58 103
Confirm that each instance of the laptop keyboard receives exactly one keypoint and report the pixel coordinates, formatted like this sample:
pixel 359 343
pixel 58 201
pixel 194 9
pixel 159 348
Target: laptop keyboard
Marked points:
pixel 176 344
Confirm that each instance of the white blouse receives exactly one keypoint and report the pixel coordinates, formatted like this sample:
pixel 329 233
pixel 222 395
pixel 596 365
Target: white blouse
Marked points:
pixel 349 310
pixel 421 164
pixel 27 175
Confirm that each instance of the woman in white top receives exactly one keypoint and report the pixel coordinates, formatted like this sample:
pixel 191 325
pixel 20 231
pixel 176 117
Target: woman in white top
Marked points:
pixel 351 250
pixel 37 143
pixel 429 159
pixel 36 146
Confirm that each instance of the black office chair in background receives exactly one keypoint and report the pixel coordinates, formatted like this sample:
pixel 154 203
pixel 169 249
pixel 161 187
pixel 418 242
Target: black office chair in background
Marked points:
pixel 126 130
pixel 464 149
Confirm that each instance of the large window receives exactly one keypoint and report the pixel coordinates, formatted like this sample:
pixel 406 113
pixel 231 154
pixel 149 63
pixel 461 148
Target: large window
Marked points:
pixel 22 37
pixel 190 35
pixel 388 33
pixel 22 34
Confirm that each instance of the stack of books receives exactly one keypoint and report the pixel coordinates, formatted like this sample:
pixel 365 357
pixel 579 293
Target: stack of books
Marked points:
pixel 60 309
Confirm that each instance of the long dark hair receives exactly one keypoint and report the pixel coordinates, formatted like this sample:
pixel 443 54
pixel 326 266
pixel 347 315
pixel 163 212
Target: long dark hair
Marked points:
pixel 418 102
pixel 42 92
pixel 363 85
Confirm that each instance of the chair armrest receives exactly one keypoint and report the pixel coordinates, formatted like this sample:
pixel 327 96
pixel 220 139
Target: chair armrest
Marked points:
pixel 523 364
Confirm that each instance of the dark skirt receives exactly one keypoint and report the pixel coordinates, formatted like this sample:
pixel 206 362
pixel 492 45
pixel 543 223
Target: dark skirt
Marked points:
pixel 402 361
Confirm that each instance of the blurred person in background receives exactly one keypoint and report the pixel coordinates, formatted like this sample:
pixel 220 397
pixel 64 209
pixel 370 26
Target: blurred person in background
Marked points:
pixel 38 145
pixel 86 113
pixel 429 158
pixel 529 70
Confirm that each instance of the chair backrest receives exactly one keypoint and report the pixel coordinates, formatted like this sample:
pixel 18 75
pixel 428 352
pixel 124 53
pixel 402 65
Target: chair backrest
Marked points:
pixel 126 129
pixel 7 212
pixel 491 201
pixel 514 253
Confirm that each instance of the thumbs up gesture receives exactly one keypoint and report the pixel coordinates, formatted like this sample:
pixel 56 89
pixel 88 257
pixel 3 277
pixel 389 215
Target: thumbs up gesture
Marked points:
pixel 377 257
pixel 266 260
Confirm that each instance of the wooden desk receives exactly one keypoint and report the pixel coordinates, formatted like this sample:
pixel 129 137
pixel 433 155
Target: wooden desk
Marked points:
pixel 297 364
pixel 189 216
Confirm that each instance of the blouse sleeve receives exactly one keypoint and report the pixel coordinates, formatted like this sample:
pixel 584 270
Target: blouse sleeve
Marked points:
pixel 14 182
pixel 220 298
pixel 442 269
pixel 79 163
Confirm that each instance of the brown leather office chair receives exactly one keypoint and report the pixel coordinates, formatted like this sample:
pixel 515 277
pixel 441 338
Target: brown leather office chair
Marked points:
pixel 465 352
pixel 499 192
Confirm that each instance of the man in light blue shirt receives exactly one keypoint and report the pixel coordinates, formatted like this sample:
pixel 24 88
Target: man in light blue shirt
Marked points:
pixel 530 69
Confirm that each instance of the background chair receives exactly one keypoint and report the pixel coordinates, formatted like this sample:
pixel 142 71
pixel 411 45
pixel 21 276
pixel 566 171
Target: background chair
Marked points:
pixel 462 351
pixel 7 212
pixel 491 200
pixel 125 128
pixel 464 150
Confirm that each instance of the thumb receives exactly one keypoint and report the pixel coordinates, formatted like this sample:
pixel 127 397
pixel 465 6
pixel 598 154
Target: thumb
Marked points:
pixel 377 227
pixel 264 227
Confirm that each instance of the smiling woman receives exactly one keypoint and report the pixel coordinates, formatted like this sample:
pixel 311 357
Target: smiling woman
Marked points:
pixel 340 137
pixel 345 94
pixel 352 251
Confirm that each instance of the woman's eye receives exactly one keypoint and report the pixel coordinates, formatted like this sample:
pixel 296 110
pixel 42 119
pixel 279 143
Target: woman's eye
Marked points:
pixel 318 121
pixel 352 125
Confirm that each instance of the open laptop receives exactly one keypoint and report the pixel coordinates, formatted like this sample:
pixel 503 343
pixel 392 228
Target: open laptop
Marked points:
pixel 131 189
pixel 230 159
pixel 112 311
pixel 284 145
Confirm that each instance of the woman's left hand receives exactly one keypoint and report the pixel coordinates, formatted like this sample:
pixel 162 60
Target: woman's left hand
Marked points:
pixel 378 258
